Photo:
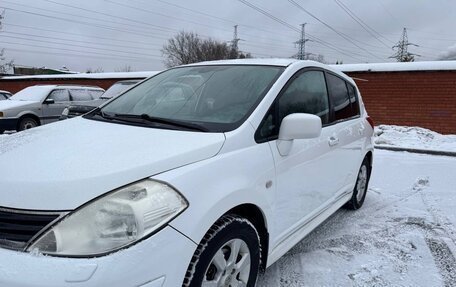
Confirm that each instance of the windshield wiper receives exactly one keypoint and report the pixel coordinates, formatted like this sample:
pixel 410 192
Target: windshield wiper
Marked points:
pixel 170 122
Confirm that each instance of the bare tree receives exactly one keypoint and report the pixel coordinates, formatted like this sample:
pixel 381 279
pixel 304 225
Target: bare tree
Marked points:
pixel 97 70
pixel 126 68
pixel 5 66
pixel 188 47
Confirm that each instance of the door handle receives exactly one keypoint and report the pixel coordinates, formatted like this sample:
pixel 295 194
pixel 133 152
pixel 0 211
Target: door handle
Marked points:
pixel 333 141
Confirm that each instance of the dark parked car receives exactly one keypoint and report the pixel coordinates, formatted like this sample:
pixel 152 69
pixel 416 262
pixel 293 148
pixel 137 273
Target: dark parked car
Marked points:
pixel 115 90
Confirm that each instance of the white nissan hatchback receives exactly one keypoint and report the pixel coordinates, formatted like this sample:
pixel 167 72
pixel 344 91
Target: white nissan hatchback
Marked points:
pixel 202 175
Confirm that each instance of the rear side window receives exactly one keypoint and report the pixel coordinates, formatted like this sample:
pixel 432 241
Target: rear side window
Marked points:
pixel 96 94
pixel 60 95
pixel 353 99
pixel 339 95
pixel 79 95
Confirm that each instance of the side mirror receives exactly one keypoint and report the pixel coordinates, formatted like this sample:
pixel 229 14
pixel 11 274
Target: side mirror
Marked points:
pixel 300 126
pixel 49 101
pixel 297 126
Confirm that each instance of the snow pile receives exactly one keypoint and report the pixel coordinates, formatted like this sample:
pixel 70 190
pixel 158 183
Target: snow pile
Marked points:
pixel 414 138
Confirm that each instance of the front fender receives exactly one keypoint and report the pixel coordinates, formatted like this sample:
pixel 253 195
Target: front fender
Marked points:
pixel 216 185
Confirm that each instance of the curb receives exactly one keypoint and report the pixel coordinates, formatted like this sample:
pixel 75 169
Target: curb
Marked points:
pixel 420 151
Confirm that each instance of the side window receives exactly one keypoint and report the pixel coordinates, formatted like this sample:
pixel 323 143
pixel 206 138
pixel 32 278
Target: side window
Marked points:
pixel 96 94
pixel 353 99
pixel 340 99
pixel 59 95
pixel 3 97
pixel 307 93
pixel 79 95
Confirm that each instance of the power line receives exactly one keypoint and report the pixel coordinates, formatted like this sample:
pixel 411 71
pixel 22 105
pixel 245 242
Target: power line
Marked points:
pixel 316 39
pixel 358 20
pixel 347 38
pixel 73 40
pixel 75 55
pixel 111 16
pixel 75 34
pixel 78 22
pixel 70 50
pixel 157 13
pixel 80 46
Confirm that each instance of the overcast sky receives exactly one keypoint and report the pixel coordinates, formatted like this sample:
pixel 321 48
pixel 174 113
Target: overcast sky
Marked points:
pixel 111 34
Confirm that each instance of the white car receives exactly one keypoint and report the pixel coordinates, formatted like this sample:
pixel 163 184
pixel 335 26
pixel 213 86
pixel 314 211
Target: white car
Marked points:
pixel 202 182
pixel 42 104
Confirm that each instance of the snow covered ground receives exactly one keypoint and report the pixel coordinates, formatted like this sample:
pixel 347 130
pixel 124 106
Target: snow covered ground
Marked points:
pixel 413 137
pixel 404 235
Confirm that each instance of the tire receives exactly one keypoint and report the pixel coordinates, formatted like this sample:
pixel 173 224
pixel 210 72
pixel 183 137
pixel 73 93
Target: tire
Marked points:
pixel 360 190
pixel 27 123
pixel 214 260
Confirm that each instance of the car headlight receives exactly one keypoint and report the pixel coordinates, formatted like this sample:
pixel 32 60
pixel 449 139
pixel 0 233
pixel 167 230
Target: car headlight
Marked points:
pixel 113 221
pixel 65 112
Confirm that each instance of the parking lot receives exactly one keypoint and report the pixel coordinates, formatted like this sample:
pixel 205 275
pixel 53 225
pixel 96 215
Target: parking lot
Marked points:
pixel 404 235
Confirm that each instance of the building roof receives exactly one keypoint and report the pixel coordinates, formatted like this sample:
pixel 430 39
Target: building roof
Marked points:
pixel 114 75
pixel 398 67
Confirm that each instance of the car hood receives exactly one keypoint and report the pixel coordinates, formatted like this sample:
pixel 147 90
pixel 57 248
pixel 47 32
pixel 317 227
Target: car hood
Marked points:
pixel 9 104
pixel 63 165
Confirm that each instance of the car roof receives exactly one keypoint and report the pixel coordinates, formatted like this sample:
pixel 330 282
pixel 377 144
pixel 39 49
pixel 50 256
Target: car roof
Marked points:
pixel 5 92
pixel 70 86
pixel 253 61
pixel 274 62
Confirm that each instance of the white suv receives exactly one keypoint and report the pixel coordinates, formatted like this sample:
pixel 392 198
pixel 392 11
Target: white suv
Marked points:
pixel 202 175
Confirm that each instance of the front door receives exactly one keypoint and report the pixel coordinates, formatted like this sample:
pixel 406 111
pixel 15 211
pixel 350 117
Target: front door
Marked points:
pixel 303 185
pixel 52 111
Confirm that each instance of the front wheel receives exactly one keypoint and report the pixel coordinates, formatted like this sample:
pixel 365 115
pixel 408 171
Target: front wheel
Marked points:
pixel 362 182
pixel 228 255
pixel 27 123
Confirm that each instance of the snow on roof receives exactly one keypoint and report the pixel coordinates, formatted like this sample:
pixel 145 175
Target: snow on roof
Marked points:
pixel 398 67
pixel 114 75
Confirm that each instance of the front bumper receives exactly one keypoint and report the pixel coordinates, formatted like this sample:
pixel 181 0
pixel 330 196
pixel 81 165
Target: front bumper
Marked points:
pixel 7 124
pixel 158 261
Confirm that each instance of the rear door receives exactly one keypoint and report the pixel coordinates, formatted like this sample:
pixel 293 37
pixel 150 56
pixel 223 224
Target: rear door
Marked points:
pixel 303 184
pixel 347 136
pixel 52 112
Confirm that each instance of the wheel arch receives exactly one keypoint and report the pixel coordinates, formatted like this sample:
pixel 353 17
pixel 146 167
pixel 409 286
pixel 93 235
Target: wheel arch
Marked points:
pixel 28 115
pixel 256 216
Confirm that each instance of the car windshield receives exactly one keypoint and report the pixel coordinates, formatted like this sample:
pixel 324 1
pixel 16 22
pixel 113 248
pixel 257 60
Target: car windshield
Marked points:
pixel 34 93
pixel 218 97
pixel 116 89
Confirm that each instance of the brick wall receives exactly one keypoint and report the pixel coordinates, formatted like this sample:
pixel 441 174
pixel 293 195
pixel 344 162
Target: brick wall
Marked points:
pixel 420 98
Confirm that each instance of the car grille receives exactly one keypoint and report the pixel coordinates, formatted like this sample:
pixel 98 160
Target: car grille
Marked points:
pixel 18 228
